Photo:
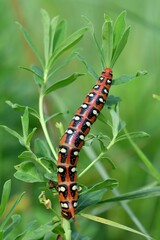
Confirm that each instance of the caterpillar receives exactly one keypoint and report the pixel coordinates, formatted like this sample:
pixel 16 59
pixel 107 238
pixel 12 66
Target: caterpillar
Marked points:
pixel 73 140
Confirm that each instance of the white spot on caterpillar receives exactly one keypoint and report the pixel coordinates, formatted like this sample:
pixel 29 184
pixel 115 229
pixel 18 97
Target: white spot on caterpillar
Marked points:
pixel 75 204
pixel 76 118
pixel 105 90
pixel 88 124
pixel 63 150
pixel 61 189
pixel 84 105
pixel 69 131
pixel 64 205
pixel 95 112
pixel 101 78
pixel 75 153
pixel 96 86
pixel 73 169
pixel 60 170
pixel 101 100
pixel 90 94
pixel 109 81
pixel 81 137
pixel 74 187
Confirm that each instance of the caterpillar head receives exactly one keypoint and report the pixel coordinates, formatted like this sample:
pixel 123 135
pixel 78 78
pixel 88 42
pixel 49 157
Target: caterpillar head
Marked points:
pixel 107 72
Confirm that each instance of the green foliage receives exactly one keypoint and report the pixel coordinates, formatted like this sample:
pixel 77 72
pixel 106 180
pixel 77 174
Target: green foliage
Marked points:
pixel 40 155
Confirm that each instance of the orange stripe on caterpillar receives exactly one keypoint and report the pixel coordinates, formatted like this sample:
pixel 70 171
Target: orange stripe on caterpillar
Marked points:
pixel 73 140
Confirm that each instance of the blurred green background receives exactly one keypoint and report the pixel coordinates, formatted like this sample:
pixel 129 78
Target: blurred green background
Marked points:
pixel 137 108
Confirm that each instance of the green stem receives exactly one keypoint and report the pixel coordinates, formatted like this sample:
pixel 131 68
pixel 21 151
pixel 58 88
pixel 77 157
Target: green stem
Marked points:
pixel 91 164
pixel 44 127
pixel 143 157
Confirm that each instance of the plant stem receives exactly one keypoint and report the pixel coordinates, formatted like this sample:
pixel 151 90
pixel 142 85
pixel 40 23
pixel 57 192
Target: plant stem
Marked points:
pixel 44 127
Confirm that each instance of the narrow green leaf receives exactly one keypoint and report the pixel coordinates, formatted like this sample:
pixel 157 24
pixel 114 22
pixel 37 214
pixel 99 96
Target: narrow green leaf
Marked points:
pixel 28 172
pixel 8 216
pixel 39 232
pixel 30 135
pixel 48 118
pixel 120 46
pixel 5 196
pixel 126 78
pixel 60 34
pixel 66 61
pixel 91 28
pixel 63 83
pixel 139 134
pixel 13 133
pixel 22 108
pixel 67 44
pixel 119 29
pixel 25 123
pixel 107 184
pixel 117 123
pixel 152 170
pixel 112 224
pixel 138 194
pixel 46 32
pixel 35 70
pixel 54 28
pixel 15 220
pixel 107 40
pixel 38 75
pixel 88 67
pixel 29 41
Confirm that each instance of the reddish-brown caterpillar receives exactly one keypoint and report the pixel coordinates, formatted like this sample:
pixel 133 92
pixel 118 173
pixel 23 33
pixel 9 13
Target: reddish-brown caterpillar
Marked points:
pixel 73 140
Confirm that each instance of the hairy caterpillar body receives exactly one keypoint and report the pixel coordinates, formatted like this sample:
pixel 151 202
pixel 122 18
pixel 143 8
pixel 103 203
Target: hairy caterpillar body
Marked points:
pixel 73 140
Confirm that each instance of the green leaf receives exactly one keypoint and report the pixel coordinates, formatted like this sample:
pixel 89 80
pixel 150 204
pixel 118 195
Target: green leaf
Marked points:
pixel 36 71
pixel 139 134
pixel 126 78
pixel 88 67
pixel 29 41
pixel 117 123
pixel 151 169
pixel 8 216
pixel 15 220
pixel 67 44
pixel 119 29
pixel 38 75
pixel 60 34
pixel 28 155
pixel 53 30
pixel 112 101
pixel 38 232
pixel 63 83
pixel 30 135
pixel 66 61
pixel 48 118
pixel 112 224
pixel 147 192
pixel 41 148
pixel 120 46
pixel 89 199
pixel 14 133
pixel 28 172
pixel 22 108
pixel 107 40
pixel 46 30
pixel 25 123
pixel 107 184
pixel 5 196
